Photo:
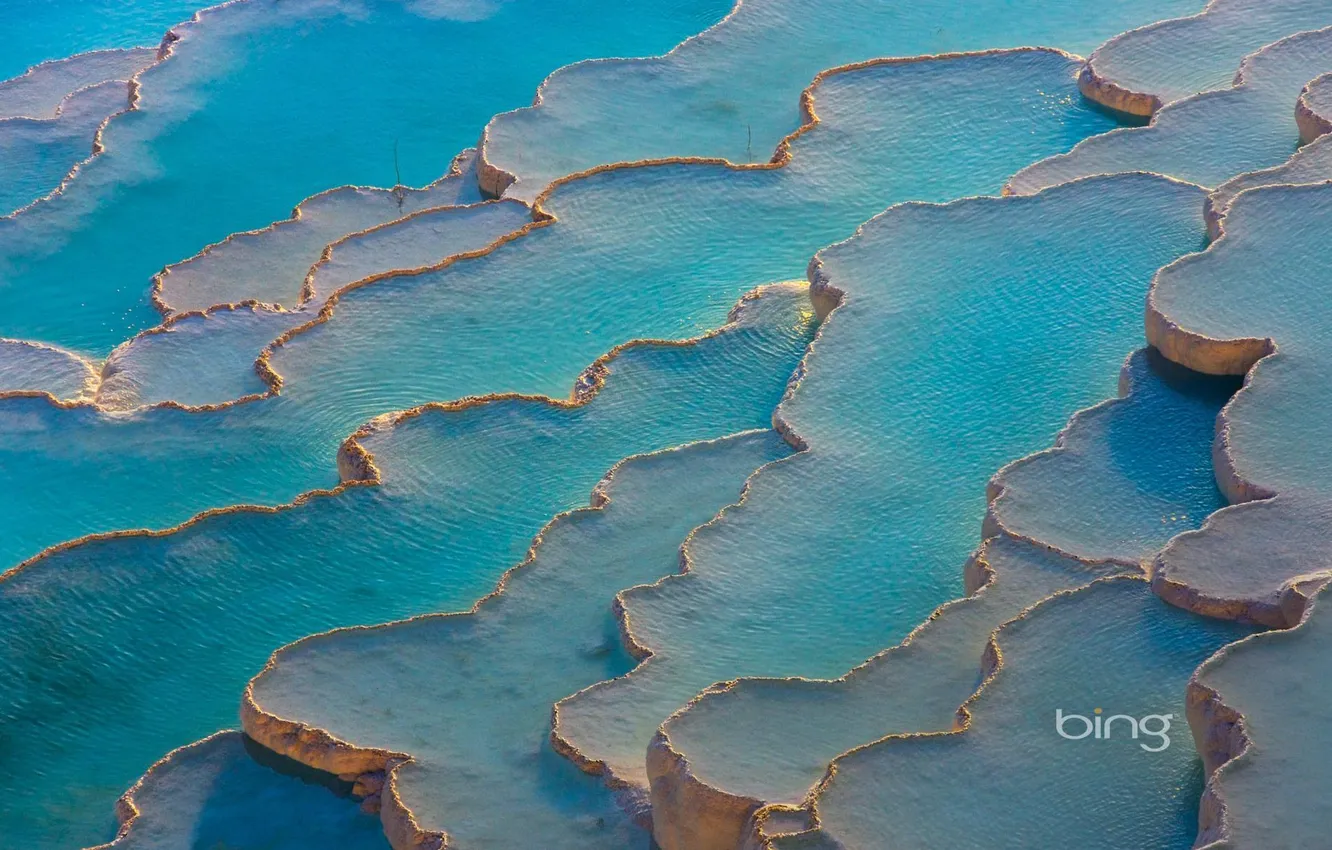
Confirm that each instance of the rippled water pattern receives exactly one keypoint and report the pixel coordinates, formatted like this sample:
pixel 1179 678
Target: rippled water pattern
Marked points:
pixel 504 423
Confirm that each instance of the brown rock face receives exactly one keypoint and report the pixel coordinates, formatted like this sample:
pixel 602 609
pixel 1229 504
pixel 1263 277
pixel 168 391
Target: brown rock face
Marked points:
pixel 689 814
pixel 1100 90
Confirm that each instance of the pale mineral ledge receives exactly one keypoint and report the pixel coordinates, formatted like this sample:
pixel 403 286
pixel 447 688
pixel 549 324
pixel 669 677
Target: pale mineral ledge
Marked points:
pixel 273 264
pixel 41 91
pixel 461 489
pixel 728 92
pixel 847 546
pixel 27 367
pixel 1256 560
pixel 1211 137
pixel 456 707
pixel 1313 111
pixel 37 154
pixel 1125 476
pixel 225 305
pixel 213 357
pixel 1112 651
pixel 1140 71
pixel 1257 712
pixel 1310 164
pixel 214 146
pixel 660 251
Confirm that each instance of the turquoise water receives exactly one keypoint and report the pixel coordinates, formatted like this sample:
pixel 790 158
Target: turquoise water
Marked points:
pixel 474 691
pixel 216 148
pixel 734 91
pixel 842 550
pixel 1128 475
pixel 36 154
pixel 237 201
pixel 225 792
pixel 701 235
pixel 36 31
pixel 1106 793
pixel 143 644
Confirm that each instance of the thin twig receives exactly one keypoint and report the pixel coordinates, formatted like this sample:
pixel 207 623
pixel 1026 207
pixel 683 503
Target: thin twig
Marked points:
pixel 398 190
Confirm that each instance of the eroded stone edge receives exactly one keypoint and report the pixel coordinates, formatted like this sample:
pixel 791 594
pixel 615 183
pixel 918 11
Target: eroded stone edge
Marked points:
pixel 731 820
pixel 373 769
pixel 495 181
pixel 1312 124
pixel 1214 356
pixel 1101 89
pixel 1220 732
pixel 1018 185
pixel 127 807
pixel 718 819
pixel 992 663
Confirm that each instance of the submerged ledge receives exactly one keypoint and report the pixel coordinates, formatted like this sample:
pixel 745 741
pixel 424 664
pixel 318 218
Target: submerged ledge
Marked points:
pixel 454 189
pixel 225 788
pixel 611 506
pixel 38 152
pixel 452 228
pixel 1124 476
pixel 722 91
pixel 30 368
pixel 1311 164
pixel 122 380
pixel 41 91
pixel 163 52
pixel 117 391
pixel 494 181
pixel 897 789
pixel 317 747
pixel 726 814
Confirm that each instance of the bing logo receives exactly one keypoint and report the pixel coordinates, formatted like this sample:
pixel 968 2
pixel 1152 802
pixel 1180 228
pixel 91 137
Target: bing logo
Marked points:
pixel 1100 728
